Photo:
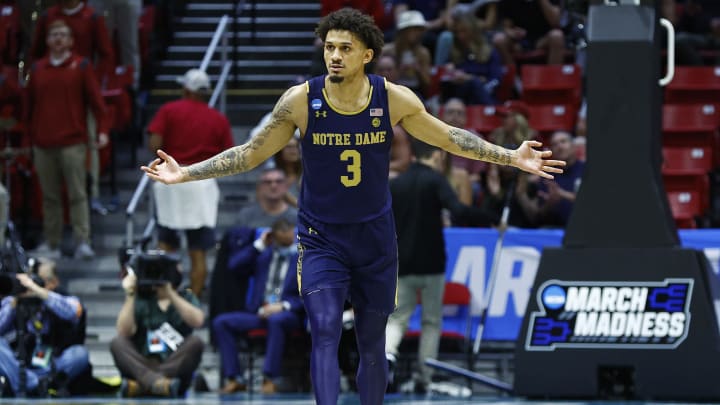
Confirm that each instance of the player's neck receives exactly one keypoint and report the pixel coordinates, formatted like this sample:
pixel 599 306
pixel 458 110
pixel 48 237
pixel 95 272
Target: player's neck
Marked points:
pixel 351 92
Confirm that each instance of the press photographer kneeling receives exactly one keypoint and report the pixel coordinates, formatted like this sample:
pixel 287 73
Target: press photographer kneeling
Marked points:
pixel 44 327
pixel 155 350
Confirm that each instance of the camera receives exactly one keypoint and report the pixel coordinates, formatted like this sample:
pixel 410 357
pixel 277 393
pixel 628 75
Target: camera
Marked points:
pixel 152 267
pixel 13 261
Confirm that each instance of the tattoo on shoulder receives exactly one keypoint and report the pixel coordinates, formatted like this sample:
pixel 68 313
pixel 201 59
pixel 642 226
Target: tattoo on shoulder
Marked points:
pixel 478 148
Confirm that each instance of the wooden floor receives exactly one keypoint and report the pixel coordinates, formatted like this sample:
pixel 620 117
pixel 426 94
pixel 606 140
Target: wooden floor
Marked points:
pixel 306 399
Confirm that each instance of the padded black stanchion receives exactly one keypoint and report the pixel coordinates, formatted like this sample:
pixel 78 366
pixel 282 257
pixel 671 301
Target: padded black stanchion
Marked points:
pixel 621 310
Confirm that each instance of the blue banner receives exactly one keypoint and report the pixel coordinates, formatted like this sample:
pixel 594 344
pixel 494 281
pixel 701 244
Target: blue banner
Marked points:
pixel 471 252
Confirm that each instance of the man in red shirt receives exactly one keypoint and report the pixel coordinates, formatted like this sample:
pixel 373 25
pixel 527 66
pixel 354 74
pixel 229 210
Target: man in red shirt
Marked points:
pixel 91 41
pixel 193 132
pixel 58 92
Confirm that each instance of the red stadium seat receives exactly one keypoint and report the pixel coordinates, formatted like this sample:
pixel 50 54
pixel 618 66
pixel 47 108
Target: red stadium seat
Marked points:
pixel 685 206
pixel 694 84
pixel 693 183
pixel 546 119
pixel 686 160
pixel 692 125
pixel 483 118
pixel 552 84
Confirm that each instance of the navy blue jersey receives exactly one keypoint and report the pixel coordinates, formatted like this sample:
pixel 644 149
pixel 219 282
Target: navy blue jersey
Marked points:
pixel 346 157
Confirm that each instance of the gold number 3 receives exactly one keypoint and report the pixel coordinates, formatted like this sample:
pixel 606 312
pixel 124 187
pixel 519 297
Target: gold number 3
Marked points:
pixel 353 168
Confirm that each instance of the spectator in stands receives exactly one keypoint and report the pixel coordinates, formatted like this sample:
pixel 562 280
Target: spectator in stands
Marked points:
pixel 501 188
pixel 154 349
pixel 122 18
pixel 454 113
pixel 270 204
pixel 418 196
pixel 555 198
pixel 697 27
pixel 474 69
pixel 435 13
pixel 58 93
pixel 53 352
pixel 486 13
pixel 289 161
pixel 400 153
pixel 515 129
pixel 528 26
pixel 411 57
pixel 194 131
pixel 91 41
pixel 273 303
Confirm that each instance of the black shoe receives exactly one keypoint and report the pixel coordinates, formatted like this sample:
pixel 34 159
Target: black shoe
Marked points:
pixel 200 384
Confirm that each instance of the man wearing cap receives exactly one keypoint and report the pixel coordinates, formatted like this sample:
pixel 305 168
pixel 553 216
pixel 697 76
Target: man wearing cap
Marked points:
pixel 194 132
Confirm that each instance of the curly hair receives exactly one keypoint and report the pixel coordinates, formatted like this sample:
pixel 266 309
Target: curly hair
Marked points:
pixel 359 24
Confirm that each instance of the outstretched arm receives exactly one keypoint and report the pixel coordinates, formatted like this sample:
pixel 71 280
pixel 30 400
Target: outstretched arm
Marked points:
pixel 410 112
pixel 276 133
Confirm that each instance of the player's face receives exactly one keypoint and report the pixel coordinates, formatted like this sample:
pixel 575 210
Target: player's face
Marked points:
pixel 345 55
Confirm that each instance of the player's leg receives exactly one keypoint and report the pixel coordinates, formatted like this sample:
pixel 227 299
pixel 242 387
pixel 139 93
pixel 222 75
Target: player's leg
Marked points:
pixel 373 370
pixel 324 309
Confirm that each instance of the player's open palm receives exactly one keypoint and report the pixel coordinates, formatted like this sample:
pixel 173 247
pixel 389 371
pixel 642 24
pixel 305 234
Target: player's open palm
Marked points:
pixel 537 162
pixel 164 169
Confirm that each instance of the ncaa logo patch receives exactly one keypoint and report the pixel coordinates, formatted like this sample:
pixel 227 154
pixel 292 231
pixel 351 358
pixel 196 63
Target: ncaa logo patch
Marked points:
pixel 316 104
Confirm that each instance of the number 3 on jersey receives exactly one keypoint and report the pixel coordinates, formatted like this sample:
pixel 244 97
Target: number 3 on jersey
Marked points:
pixel 353 168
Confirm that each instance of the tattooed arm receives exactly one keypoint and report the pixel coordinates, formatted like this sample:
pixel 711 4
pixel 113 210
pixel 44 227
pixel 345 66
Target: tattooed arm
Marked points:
pixel 289 112
pixel 409 111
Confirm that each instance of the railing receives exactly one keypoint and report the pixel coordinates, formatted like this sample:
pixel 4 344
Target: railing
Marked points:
pixel 219 94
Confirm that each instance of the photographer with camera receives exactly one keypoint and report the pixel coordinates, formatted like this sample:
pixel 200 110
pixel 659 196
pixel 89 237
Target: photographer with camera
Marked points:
pixel 47 329
pixel 155 350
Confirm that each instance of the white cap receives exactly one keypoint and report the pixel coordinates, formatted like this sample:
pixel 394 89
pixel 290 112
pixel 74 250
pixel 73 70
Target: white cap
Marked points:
pixel 410 18
pixel 195 80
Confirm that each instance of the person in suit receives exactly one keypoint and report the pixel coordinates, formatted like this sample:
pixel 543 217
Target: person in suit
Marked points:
pixel 273 303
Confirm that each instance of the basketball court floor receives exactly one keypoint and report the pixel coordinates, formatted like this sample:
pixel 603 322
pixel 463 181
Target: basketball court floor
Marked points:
pixel 306 399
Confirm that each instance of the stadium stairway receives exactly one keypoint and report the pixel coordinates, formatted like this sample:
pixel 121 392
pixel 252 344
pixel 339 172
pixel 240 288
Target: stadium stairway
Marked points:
pixel 97 281
pixel 271 42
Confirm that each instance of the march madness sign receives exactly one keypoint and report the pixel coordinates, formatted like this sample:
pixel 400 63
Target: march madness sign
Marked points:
pixel 610 315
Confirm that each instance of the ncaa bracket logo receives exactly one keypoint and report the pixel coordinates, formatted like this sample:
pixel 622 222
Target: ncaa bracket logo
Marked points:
pixel 610 315
pixel 316 103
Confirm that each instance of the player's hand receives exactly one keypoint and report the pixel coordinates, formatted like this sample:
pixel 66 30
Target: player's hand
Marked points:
pixel 164 169
pixel 535 161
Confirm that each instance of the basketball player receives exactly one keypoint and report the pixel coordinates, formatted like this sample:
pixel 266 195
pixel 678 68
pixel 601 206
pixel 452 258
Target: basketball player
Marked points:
pixel 346 236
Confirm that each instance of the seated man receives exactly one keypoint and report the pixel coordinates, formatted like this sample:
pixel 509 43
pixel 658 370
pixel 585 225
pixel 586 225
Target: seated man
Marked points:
pixel 52 343
pixel 273 303
pixel 155 349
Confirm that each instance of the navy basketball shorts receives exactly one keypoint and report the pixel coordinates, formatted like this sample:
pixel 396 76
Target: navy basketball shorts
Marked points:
pixel 360 258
